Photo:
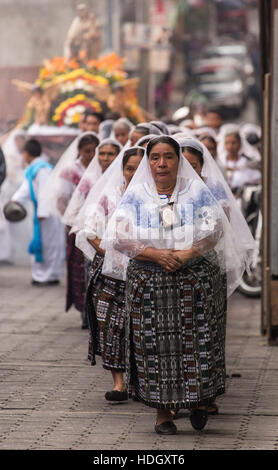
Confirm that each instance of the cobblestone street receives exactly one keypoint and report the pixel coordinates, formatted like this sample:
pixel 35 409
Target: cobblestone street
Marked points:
pixel 51 398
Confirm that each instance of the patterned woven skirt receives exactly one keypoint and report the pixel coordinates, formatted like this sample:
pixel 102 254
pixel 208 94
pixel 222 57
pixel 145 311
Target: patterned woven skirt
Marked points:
pixel 93 274
pixel 106 314
pixel 176 325
pixel 75 276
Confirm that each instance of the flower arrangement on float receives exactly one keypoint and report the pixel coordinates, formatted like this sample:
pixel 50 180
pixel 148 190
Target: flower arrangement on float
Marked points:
pixel 73 86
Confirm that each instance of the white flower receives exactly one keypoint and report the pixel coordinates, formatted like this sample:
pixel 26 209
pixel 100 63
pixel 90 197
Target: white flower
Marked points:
pixel 71 86
pixel 79 84
pixel 88 87
pixel 204 219
pixel 68 121
pixel 79 108
pixel 71 112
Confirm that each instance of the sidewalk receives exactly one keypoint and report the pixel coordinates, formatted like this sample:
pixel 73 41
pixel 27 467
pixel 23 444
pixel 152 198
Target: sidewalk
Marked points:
pixel 51 398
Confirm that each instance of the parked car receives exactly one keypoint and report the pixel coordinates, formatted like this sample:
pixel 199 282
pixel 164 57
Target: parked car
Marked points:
pixel 235 50
pixel 221 82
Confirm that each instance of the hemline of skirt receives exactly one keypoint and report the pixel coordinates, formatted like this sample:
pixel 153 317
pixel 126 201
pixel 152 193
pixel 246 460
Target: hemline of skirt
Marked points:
pixel 93 362
pixel 114 369
pixel 178 405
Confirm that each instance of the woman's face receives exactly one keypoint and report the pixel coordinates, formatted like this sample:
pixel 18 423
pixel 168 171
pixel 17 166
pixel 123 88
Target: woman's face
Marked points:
pixel 87 153
pixel 106 155
pixel 164 164
pixel 130 167
pixel 135 136
pixel 194 161
pixel 232 145
pixel 121 135
pixel 210 146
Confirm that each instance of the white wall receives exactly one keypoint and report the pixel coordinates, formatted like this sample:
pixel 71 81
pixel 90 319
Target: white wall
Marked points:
pixel 32 30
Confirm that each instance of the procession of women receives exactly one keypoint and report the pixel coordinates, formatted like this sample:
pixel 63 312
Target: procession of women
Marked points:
pixel 143 223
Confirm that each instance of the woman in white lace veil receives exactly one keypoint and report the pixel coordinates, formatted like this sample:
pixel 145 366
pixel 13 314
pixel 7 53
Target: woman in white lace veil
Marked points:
pixel 211 143
pixel 142 129
pixel 245 147
pixel 106 152
pixel 57 192
pixel 121 130
pixel 105 295
pixel 91 219
pixel 184 262
pixel 203 163
pixel 240 159
pixel 143 141
pixel 68 172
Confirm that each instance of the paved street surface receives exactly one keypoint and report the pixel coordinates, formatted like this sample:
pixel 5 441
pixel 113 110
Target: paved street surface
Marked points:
pixel 51 398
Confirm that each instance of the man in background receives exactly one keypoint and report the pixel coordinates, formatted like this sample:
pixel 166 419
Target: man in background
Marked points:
pixel 47 248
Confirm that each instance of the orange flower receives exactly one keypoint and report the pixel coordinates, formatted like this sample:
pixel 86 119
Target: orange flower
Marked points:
pixel 73 64
pixel 45 73
pixel 59 64
pixel 111 63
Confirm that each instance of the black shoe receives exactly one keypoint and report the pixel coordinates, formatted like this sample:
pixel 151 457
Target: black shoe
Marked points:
pixel 115 395
pixel 168 427
pixel 39 284
pixel 44 284
pixel 198 418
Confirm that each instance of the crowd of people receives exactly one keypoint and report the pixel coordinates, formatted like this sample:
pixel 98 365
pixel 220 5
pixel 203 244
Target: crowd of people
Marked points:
pixel 145 219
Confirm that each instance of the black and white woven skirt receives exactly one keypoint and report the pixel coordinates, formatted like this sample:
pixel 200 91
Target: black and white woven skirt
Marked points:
pixel 176 325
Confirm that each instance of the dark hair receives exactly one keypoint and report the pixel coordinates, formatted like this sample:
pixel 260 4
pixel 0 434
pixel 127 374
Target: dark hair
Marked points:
pixel 161 126
pixel 130 153
pixel 88 139
pixel 146 128
pixel 112 115
pixel 145 139
pixel 234 133
pixel 215 110
pixel 90 112
pixel 102 144
pixel 208 137
pixel 141 129
pixel 33 147
pixel 164 139
pixel 195 152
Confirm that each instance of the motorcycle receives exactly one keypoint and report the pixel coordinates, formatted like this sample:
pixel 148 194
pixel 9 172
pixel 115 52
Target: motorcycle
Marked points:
pixel 250 203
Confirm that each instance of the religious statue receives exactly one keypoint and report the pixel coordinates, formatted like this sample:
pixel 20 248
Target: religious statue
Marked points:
pixel 38 105
pixel 84 36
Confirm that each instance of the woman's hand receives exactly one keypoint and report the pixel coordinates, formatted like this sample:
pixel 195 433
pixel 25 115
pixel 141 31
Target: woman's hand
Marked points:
pixel 184 255
pixel 96 245
pixel 168 259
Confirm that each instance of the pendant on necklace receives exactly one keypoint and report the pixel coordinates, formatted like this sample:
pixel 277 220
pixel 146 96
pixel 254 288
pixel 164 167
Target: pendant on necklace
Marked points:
pixel 168 217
